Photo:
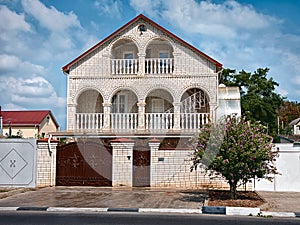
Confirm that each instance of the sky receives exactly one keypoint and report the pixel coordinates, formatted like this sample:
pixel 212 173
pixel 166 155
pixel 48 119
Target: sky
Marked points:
pixel 39 37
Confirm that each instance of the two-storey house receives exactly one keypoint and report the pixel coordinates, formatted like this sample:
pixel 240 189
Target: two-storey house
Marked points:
pixel 141 84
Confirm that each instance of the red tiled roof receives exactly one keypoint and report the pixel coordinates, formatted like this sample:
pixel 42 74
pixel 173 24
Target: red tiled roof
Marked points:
pixel 66 68
pixel 25 118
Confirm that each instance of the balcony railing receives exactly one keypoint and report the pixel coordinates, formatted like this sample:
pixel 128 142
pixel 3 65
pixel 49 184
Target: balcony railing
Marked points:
pixel 124 66
pixel 159 66
pixel 159 121
pixel 124 121
pixel 89 121
pixel 129 121
pixel 152 66
pixel 193 121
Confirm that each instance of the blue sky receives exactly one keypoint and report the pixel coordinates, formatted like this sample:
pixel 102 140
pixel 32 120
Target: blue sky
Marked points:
pixel 38 37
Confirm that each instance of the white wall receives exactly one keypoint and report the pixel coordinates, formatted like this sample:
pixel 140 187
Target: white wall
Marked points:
pixel 288 165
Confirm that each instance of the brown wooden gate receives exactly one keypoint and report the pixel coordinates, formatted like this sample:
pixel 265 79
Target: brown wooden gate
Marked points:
pixel 84 163
pixel 141 164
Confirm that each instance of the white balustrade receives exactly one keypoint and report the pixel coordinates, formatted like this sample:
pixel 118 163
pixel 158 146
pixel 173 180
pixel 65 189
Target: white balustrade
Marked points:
pixel 159 121
pixel 89 121
pixel 193 121
pixel 159 65
pixel 124 121
pixel 129 121
pixel 124 66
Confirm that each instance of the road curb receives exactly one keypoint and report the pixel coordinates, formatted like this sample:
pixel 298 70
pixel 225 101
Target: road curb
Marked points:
pixel 220 210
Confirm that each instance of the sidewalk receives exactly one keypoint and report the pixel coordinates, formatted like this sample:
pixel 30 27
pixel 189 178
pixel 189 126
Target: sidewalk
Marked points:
pixel 107 198
pixel 281 201
pixel 152 199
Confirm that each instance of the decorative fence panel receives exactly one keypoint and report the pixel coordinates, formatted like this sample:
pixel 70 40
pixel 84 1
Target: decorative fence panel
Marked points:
pixel 18 162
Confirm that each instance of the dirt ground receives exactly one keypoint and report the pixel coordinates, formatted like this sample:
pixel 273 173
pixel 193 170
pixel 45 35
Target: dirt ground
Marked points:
pixel 244 199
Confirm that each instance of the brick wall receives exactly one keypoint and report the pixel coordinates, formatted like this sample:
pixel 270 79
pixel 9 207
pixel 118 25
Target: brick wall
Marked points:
pixel 122 162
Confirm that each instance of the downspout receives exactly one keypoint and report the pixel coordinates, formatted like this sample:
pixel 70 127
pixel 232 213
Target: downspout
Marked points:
pixel 219 74
pixel 51 163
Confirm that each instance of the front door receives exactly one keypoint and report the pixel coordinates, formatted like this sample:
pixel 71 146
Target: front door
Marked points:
pixel 141 164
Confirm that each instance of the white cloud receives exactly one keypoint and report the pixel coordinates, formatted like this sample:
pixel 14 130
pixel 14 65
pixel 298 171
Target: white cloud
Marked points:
pixel 206 17
pixel 12 21
pixel 34 92
pixel 13 65
pixel 50 18
pixel 111 8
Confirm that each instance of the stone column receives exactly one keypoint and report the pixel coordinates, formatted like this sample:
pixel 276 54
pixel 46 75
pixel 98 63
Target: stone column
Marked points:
pixel 141 71
pixel 46 162
pixel 106 116
pixel 71 121
pixel 141 116
pixel 176 126
pixel 154 172
pixel 122 162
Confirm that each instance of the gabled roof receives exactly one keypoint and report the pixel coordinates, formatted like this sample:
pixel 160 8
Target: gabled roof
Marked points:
pixel 66 68
pixel 26 118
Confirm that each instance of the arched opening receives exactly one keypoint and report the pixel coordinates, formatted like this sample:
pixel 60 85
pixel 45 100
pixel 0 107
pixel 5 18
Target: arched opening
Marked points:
pixel 124 110
pixel 159 57
pixel 194 109
pixel 158 110
pixel 124 57
pixel 89 110
pixel 194 100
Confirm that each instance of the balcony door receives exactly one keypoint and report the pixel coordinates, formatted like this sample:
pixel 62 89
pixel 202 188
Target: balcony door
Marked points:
pixel 118 104
pixel 157 110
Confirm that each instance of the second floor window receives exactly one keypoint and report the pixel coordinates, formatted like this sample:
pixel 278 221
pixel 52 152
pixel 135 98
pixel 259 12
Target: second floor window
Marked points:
pixel 128 59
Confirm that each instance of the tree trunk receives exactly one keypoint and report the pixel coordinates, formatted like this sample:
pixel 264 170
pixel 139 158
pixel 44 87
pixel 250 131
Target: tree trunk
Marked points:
pixel 233 187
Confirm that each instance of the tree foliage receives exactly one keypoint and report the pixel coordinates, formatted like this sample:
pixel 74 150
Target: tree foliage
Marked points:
pixel 259 101
pixel 287 113
pixel 237 149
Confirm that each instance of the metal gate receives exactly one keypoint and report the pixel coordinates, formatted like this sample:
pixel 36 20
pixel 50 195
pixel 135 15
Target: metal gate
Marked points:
pixel 141 164
pixel 84 163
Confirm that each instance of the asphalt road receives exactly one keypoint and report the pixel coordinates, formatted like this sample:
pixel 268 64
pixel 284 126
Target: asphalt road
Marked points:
pixel 44 218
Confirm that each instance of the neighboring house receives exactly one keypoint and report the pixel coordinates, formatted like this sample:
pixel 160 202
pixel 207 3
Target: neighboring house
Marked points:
pixel 30 124
pixel 139 94
pixel 295 124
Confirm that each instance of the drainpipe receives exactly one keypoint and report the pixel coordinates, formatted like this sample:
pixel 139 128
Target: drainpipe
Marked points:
pixel 51 163
pixel 1 123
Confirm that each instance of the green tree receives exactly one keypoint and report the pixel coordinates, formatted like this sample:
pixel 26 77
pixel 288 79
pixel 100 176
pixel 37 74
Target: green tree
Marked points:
pixel 259 101
pixel 237 149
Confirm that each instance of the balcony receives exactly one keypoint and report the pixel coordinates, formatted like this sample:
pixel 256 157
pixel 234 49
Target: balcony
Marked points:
pixel 154 122
pixel 151 66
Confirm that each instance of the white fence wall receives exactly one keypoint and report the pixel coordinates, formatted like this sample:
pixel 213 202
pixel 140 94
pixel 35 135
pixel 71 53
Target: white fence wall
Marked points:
pixel 18 162
pixel 288 165
pixel 27 163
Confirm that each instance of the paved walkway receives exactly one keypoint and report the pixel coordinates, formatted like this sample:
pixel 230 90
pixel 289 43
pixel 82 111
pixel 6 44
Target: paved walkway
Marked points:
pixel 107 198
pixel 94 197
pixel 281 201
